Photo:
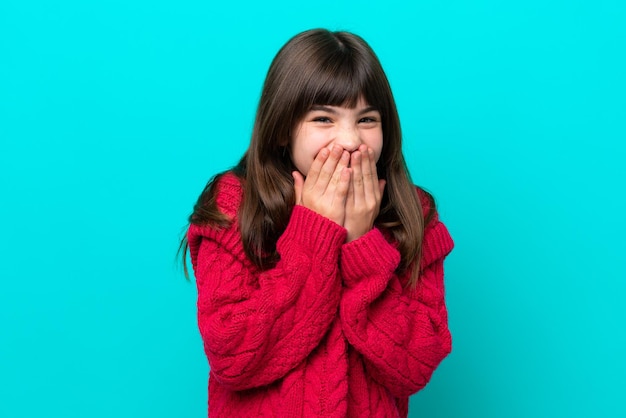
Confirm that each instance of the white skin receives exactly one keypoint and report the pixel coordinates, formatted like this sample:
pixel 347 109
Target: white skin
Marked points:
pixel 335 150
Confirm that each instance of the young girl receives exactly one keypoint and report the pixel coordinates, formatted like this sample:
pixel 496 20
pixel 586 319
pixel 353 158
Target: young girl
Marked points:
pixel 319 265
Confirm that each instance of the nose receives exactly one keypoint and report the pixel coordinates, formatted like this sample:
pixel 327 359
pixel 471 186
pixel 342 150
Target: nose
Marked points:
pixel 348 138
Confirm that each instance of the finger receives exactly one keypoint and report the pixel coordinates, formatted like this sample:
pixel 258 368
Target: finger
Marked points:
pixel 343 162
pixel 316 166
pixel 343 186
pixel 357 178
pixel 372 174
pixel 330 167
pixel 350 195
pixel 367 165
pixel 369 181
pixel 372 161
pixel 298 184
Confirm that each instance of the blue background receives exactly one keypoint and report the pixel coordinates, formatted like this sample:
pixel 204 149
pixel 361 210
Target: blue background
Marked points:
pixel 114 114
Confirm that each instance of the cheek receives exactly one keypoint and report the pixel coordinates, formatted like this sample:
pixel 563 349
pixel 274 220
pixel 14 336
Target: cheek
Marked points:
pixel 302 157
pixel 300 163
pixel 377 154
pixel 306 147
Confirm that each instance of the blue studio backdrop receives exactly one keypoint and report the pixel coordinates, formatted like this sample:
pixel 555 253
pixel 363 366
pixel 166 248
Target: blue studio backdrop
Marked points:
pixel 114 114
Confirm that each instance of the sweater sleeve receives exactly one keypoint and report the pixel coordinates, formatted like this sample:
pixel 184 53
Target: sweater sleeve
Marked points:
pixel 401 332
pixel 258 325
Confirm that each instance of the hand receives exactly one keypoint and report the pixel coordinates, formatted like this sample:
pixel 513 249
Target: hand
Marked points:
pixel 364 194
pixel 326 186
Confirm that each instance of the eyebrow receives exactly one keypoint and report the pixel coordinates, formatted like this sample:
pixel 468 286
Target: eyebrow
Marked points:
pixel 334 112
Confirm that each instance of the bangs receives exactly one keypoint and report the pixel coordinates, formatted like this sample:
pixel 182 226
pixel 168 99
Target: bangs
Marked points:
pixel 340 82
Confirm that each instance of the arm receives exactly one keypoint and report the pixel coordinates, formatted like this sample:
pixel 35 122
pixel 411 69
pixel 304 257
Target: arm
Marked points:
pixel 258 325
pixel 402 333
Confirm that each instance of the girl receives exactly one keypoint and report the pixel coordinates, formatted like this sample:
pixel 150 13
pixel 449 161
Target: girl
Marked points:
pixel 319 266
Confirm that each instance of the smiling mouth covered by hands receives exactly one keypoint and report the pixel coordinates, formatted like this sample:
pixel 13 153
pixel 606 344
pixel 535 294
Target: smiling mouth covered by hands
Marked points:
pixel 342 187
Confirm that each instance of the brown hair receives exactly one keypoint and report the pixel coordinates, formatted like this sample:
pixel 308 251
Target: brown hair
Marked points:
pixel 315 67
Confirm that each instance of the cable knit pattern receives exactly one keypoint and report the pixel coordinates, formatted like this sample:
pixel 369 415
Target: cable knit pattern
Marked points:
pixel 330 331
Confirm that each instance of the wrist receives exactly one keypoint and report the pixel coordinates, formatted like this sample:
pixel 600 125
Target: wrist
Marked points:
pixel 353 236
pixel 370 256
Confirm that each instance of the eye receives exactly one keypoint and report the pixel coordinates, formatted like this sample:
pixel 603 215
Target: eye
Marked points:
pixel 321 119
pixel 368 119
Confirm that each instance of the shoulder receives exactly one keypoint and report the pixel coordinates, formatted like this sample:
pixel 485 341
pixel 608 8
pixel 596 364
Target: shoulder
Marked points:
pixel 224 192
pixel 218 205
pixel 228 193
pixel 437 242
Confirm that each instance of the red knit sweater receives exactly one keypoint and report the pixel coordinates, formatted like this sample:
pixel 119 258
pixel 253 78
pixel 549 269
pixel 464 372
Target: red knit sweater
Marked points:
pixel 330 331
